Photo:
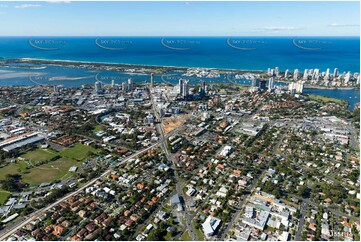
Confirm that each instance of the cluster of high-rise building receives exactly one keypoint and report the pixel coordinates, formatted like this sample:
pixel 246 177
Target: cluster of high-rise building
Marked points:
pixel 125 86
pixel 316 76
pixel 57 88
pixel 203 88
pixel 296 87
pixel 184 88
pixel 326 76
pixel 152 80
pixel 258 84
pixel 273 72
pixel 98 87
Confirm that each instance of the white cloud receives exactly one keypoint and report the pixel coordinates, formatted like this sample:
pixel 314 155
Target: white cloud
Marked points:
pixel 28 6
pixel 275 29
pixel 278 28
pixel 58 1
pixel 337 25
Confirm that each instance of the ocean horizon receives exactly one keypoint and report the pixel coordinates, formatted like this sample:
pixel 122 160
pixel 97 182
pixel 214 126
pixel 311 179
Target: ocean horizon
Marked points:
pixel 231 53
pixel 219 52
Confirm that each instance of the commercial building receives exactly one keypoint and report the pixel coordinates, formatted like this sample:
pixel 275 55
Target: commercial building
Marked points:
pixel 202 90
pixel 262 84
pixel 259 222
pixel 286 73
pixel 210 226
pixel 130 84
pixel 98 86
pixel 152 80
pixel 295 75
pixel 185 89
pixel 20 141
pixel 296 87
pixel 271 84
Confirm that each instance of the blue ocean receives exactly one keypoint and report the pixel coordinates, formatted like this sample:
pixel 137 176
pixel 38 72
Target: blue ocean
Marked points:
pixel 238 53
pixel 246 53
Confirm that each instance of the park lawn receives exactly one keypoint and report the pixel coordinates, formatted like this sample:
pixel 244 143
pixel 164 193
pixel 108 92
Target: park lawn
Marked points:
pixel 168 236
pixel 51 171
pixel 185 236
pixel 4 196
pixel 22 165
pixel 78 152
pixel 199 232
pixel 97 128
pixel 13 168
pixel 39 155
pixel 325 99
pixel 244 87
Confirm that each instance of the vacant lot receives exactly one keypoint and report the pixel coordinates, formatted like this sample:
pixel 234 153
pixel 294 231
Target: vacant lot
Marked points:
pixel 174 122
pixel 51 171
pixel 78 152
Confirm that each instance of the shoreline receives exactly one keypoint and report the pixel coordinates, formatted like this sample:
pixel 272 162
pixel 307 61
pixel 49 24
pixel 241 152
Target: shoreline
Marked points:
pixel 122 65
pixel 151 68
pixel 331 88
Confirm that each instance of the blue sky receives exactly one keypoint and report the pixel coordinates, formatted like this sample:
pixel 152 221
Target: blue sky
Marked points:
pixel 180 18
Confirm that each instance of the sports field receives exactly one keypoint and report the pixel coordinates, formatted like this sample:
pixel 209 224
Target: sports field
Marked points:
pixel 14 168
pixel 39 155
pixel 78 152
pixel 55 170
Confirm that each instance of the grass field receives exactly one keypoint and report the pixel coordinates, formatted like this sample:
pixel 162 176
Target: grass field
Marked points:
pixel 78 152
pixel 244 87
pixel 14 168
pixel 39 155
pixel 325 99
pixel 51 171
pixel 3 196
pixel 97 128
pixel 185 236
pixel 199 232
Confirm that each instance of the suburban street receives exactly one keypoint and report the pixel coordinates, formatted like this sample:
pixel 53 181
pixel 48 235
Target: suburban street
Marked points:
pixel 23 221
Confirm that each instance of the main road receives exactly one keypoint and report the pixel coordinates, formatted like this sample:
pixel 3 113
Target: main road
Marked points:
pixel 179 189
